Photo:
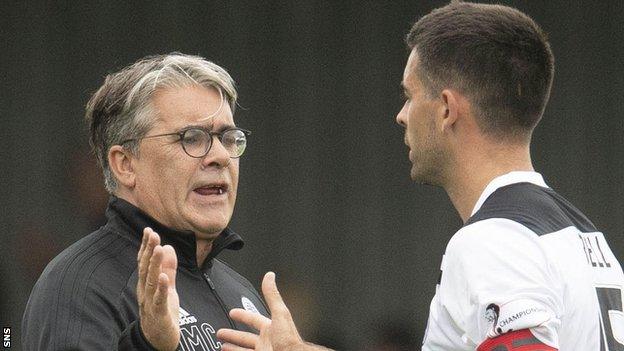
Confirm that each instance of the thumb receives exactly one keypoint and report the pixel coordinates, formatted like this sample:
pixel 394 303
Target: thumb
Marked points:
pixel 272 295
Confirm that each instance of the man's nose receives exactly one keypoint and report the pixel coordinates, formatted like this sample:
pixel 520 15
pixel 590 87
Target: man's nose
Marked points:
pixel 400 117
pixel 217 156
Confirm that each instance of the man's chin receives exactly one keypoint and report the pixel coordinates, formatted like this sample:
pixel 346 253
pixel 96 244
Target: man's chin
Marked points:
pixel 425 178
pixel 208 234
pixel 416 175
pixel 207 230
pixel 208 215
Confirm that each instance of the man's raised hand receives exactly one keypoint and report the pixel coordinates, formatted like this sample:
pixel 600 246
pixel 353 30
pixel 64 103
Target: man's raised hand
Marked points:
pixel 158 299
pixel 278 334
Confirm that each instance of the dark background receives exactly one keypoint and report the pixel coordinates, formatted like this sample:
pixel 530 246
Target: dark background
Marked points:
pixel 325 197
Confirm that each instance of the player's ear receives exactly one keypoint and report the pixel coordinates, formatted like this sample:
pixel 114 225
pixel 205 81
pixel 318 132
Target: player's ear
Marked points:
pixel 450 109
pixel 120 161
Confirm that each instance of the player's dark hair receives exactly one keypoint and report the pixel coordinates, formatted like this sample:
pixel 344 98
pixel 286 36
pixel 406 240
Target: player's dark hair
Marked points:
pixel 495 55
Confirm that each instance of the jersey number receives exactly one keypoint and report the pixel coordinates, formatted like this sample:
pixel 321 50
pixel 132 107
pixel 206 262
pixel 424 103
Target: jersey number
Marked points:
pixel 612 317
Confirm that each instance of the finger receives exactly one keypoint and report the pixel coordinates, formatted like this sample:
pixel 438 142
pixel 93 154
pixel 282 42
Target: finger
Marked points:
pixel 151 241
pixel 147 248
pixel 272 296
pixel 252 319
pixel 162 292
pixel 170 264
pixel 143 242
pixel 153 271
pixel 230 347
pixel 237 337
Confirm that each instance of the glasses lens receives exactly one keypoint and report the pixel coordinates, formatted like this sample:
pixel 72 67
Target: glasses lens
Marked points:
pixel 196 142
pixel 235 142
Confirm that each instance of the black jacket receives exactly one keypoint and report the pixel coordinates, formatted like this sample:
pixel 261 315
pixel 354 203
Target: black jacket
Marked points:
pixel 85 299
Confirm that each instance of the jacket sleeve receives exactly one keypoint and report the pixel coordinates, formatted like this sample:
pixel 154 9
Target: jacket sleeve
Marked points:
pixel 76 306
pixel 132 339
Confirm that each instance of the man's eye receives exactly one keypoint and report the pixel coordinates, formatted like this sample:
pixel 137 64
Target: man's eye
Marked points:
pixel 192 137
pixel 229 139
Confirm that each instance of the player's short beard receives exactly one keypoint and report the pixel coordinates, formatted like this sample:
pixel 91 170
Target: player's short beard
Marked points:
pixel 426 175
pixel 429 163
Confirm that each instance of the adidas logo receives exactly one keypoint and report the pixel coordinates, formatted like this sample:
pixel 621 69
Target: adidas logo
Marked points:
pixel 186 318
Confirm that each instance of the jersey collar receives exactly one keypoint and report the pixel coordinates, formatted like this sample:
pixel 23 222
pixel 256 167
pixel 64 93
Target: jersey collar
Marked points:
pixel 508 179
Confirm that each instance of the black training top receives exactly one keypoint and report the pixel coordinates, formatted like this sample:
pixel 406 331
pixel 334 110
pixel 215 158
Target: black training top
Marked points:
pixel 85 299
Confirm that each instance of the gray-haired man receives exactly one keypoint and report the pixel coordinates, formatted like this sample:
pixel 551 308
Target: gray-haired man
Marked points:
pixel 163 132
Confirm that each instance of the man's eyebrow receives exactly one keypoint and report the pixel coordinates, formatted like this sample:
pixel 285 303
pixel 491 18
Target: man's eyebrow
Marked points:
pixel 404 87
pixel 207 127
pixel 406 91
pixel 225 126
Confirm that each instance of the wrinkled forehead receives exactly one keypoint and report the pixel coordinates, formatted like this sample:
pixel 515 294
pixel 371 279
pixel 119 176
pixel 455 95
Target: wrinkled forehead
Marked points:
pixel 192 105
pixel 223 108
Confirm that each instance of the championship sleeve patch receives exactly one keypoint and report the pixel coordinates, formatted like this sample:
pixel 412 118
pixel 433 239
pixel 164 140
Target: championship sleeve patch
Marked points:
pixel 515 315
pixel 520 340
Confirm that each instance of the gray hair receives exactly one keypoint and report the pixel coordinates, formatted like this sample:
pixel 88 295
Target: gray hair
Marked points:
pixel 121 108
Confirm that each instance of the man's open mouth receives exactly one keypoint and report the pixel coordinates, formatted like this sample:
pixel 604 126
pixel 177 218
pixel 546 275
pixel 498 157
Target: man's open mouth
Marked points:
pixel 212 189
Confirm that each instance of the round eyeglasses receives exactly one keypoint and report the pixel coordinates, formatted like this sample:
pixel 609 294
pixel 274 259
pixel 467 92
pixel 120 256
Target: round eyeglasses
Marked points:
pixel 197 142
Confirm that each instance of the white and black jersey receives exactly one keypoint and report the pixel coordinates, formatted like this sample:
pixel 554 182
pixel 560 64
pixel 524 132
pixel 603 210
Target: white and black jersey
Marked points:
pixel 527 259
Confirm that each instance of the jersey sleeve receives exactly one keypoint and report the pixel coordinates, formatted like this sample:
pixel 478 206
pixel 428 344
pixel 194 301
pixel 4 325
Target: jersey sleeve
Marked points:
pixel 497 279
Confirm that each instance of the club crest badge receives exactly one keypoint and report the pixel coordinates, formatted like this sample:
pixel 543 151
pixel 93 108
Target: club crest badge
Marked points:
pixel 491 313
pixel 248 305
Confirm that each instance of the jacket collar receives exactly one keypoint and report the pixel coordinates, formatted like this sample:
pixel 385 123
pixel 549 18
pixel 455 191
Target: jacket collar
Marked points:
pixel 183 241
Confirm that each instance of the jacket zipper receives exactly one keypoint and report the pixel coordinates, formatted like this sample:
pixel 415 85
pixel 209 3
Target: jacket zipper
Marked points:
pixel 214 292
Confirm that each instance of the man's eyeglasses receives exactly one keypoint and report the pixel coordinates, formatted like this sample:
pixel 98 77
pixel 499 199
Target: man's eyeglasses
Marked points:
pixel 196 142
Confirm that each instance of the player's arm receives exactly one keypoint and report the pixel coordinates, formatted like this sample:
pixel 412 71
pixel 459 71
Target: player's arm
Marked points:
pixel 520 340
pixel 499 286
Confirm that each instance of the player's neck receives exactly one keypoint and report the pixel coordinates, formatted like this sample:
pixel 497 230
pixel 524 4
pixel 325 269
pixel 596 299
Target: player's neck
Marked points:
pixel 474 169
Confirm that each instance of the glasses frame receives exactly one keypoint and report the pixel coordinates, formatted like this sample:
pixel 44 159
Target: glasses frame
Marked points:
pixel 181 134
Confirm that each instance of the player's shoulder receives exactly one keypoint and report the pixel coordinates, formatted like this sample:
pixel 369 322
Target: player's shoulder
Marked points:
pixel 538 208
pixel 492 234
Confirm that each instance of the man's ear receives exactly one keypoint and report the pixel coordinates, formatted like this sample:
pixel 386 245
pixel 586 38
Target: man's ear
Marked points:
pixel 120 163
pixel 451 109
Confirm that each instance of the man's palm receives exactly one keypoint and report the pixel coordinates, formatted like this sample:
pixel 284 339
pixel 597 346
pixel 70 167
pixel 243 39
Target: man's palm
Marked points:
pixel 159 303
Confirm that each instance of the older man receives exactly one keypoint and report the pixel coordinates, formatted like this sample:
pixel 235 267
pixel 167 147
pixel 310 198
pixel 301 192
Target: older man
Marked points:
pixel 527 271
pixel 164 133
